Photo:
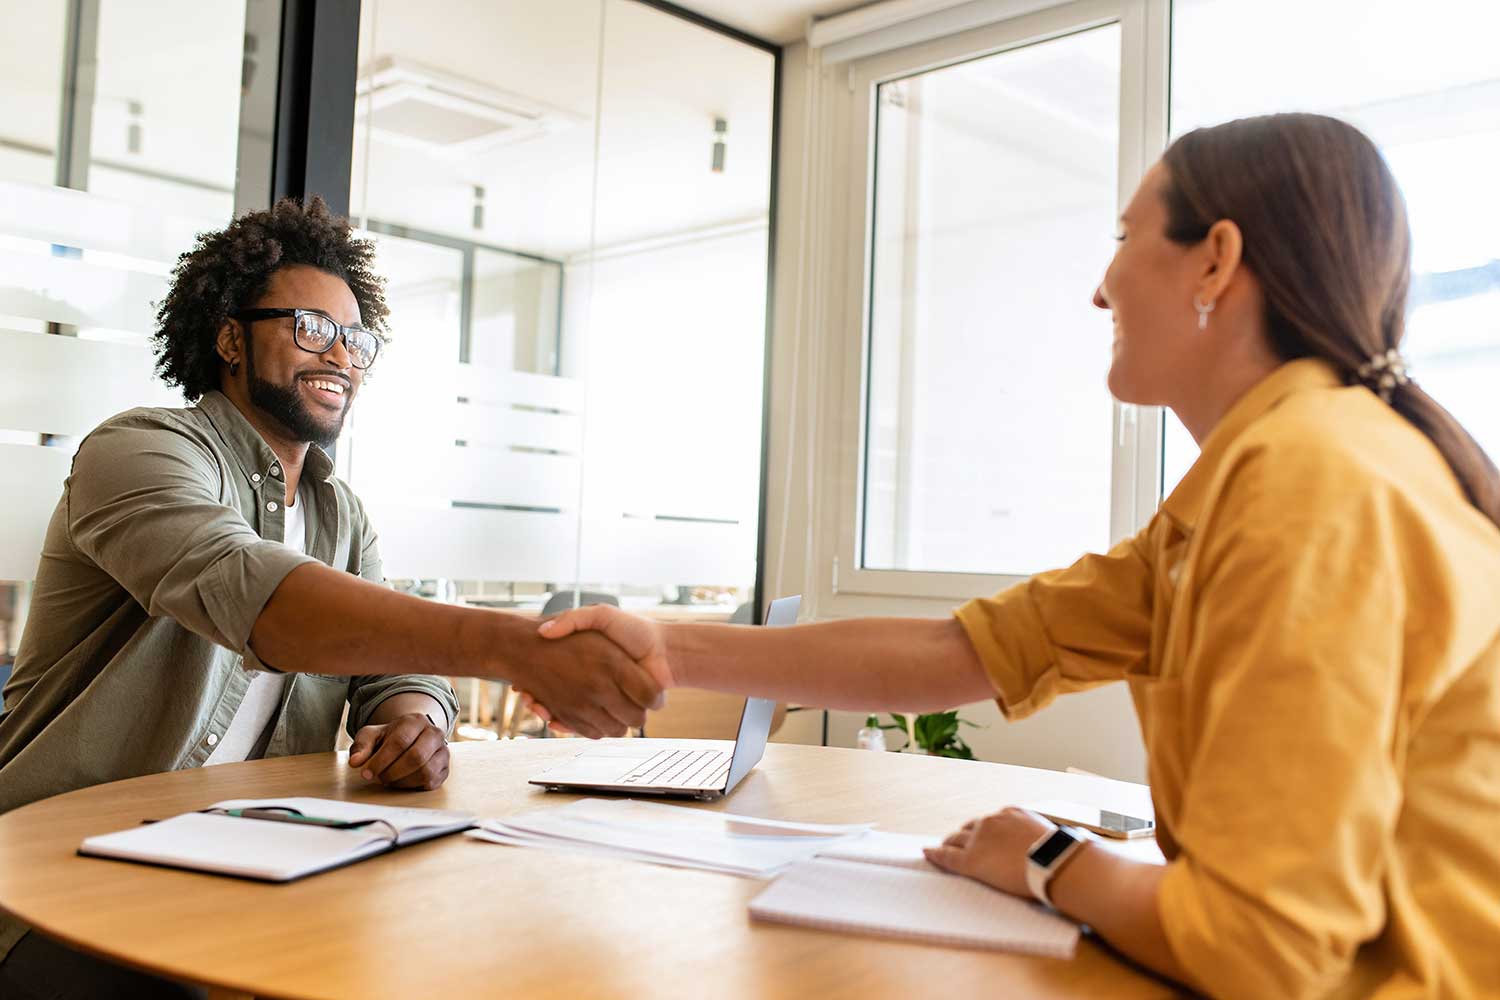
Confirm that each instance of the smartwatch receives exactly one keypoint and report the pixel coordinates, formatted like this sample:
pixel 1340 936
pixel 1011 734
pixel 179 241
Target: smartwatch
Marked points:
pixel 1047 856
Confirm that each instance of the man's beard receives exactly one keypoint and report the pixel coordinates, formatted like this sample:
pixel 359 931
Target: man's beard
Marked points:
pixel 285 405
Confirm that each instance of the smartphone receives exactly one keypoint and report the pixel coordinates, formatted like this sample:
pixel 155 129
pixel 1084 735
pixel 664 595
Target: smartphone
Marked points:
pixel 1111 824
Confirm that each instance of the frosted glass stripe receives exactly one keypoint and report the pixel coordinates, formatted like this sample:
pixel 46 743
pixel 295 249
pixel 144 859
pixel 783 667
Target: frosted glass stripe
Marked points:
pixel 648 551
pixel 55 215
pixel 64 290
pixel 465 544
pixel 501 426
pixel 33 482
pixel 426 474
pixel 497 385
pixel 488 475
pixel 64 385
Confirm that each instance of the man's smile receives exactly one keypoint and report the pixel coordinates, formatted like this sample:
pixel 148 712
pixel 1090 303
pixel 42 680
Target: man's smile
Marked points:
pixel 328 390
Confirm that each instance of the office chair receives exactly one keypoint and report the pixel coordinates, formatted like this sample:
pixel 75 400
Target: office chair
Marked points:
pixel 562 601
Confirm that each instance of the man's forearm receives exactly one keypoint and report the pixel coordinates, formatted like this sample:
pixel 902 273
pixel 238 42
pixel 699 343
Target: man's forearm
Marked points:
pixel 323 621
pixel 900 664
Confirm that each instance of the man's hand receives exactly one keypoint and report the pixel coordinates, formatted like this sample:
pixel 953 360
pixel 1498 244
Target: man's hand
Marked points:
pixel 641 639
pixel 590 685
pixel 993 849
pixel 407 752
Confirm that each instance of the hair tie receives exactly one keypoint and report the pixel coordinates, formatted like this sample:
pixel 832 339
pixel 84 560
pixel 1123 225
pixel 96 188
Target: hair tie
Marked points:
pixel 1383 372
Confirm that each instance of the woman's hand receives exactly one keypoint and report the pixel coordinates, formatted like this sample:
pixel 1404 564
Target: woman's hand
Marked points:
pixel 639 638
pixel 993 849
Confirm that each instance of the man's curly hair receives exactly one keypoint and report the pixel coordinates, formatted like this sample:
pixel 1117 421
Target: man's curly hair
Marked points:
pixel 228 270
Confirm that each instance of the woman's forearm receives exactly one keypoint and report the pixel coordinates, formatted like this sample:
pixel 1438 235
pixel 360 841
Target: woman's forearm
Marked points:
pixel 1116 896
pixel 898 664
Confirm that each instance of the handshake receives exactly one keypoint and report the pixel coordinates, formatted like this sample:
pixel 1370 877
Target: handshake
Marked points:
pixel 596 671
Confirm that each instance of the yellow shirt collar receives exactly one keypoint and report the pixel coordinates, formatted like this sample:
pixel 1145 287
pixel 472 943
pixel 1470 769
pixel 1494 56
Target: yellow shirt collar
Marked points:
pixel 1184 504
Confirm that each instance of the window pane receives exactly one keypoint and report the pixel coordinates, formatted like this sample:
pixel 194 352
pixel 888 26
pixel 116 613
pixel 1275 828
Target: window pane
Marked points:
pixel 1423 81
pixel 988 443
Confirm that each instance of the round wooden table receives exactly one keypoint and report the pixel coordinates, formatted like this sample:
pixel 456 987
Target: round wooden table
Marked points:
pixel 458 917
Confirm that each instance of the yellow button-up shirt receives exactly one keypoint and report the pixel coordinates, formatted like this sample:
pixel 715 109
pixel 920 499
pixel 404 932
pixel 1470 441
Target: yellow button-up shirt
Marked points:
pixel 1310 628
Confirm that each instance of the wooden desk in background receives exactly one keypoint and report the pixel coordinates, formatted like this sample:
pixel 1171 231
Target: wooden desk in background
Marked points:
pixel 456 917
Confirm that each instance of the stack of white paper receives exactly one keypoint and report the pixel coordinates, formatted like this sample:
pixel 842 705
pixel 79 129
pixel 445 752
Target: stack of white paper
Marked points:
pixel 931 906
pixel 899 850
pixel 836 877
pixel 670 835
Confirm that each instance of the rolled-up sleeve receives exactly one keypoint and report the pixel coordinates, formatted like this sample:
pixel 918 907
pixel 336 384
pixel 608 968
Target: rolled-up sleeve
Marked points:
pixel 143 503
pixel 367 691
pixel 1296 659
pixel 1065 630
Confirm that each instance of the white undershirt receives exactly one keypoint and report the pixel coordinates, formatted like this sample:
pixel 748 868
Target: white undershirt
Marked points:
pixel 263 697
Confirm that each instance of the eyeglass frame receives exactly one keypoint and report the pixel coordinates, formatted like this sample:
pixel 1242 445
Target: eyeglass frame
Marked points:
pixel 295 314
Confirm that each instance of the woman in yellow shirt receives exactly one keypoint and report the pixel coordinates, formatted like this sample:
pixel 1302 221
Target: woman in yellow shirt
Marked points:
pixel 1310 625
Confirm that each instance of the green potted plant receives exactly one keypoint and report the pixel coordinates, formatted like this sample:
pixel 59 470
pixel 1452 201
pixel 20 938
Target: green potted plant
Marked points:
pixel 935 733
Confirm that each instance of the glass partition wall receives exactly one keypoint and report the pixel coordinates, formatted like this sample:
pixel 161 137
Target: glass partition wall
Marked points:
pixel 571 203
pixel 572 206
pixel 121 139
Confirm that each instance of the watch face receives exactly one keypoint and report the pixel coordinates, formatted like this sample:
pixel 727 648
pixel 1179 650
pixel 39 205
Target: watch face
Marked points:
pixel 1053 846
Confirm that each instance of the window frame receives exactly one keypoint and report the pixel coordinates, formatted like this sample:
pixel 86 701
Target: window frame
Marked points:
pixel 844 587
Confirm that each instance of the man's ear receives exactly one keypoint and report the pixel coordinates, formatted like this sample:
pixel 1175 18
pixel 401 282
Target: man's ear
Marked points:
pixel 231 343
pixel 1225 245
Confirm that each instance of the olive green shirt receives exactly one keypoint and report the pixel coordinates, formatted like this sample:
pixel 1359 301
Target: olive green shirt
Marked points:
pixel 163 550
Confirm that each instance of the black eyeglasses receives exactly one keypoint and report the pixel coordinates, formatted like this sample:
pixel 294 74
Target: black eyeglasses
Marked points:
pixel 316 332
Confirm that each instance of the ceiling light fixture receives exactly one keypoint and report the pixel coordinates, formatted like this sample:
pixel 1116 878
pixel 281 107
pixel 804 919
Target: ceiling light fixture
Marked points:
pixel 407 104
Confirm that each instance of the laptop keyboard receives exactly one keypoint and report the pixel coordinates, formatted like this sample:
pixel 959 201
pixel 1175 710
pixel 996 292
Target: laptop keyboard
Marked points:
pixel 683 769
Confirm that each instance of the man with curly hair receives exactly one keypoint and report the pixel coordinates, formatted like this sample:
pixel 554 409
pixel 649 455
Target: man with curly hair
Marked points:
pixel 210 592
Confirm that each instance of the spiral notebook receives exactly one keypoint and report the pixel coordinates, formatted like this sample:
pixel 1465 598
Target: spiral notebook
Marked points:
pixel 332 833
pixel 927 906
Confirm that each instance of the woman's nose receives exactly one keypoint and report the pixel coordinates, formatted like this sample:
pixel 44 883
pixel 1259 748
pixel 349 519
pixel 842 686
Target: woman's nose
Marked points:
pixel 1099 299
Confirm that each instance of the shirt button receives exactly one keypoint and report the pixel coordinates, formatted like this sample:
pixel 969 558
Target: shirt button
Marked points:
pixel 275 470
pixel 271 506
pixel 255 477
pixel 213 739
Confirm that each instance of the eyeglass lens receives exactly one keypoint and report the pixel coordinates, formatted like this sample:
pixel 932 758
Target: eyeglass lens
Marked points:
pixel 317 333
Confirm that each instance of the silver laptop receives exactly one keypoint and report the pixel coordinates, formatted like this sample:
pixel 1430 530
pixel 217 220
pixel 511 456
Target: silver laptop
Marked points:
pixel 684 770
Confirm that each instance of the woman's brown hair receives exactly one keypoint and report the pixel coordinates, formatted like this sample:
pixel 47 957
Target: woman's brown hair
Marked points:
pixel 1326 236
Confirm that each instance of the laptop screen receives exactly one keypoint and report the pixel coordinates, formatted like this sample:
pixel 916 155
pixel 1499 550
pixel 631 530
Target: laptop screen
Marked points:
pixel 755 720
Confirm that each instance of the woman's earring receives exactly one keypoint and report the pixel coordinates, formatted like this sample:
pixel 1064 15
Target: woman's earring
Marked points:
pixel 234 367
pixel 1203 311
